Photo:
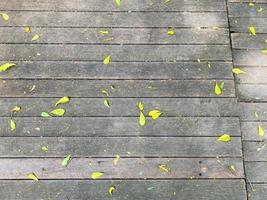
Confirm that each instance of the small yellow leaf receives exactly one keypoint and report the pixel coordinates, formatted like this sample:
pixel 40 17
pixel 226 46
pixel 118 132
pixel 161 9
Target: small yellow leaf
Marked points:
pixel 142 119
pixel 265 40
pixel 260 9
pixel 217 89
pixel 118 2
pixel 15 109
pixel 224 138
pixel 97 175
pixel 27 29
pixel 232 169
pixel 45 114
pixel 5 16
pixel 164 168
pixel 106 103
pixel 251 4
pixel 44 148
pixel 58 112
pixel 252 30
pixel 104 32
pixel 154 114
pixel 12 125
pixel 107 60
pixel 35 37
pixel 111 190
pixel 105 92
pixel 63 100
pixel 237 70
pixel 6 66
pixel 116 160
pixel 260 131
pixel 66 160
pixel 170 32
pixel 263 51
pixel 256 115
pixel 32 176
pixel 140 106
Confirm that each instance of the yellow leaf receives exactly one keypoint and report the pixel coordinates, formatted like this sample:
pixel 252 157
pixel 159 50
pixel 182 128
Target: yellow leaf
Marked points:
pixel 265 40
pixel 105 92
pixel 154 114
pixel 97 175
pixel 45 114
pixel 256 115
pixel 15 109
pixel 217 89
pixel 170 32
pixel 58 112
pixel 140 106
pixel 142 119
pixel 237 70
pixel 66 160
pixel 35 37
pixel 116 160
pixel 118 2
pixel 32 176
pixel 63 100
pixel 232 169
pixel 224 138
pixel 260 131
pixel 251 4
pixel 252 30
pixel 44 148
pixel 106 103
pixel 263 51
pixel 12 125
pixel 104 32
pixel 164 168
pixel 6 66
pixel 5 16
pixel 107 60
pixel 111 190
pixel 260 9
pixel 27 29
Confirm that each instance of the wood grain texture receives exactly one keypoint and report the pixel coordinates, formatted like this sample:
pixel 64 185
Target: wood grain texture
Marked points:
pixel 255 171
pixel 249 130
pixel 252 92
pixel 257 191
pixel 249 58
pixel 242 24
pixel 248 110
pixel 255 151
pixel 253 75
pixel 246 11
pixel 246 41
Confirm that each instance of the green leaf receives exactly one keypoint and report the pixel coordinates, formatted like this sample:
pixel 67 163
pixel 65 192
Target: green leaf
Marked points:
pixel 106 103
pixel 106 60
pixel 45 114
pixel 66 160
pixel 35 37
pixel 58 112
pixel 6 66
pixel 142 119
pixel 118 2
pixel 224 138
pixel 5 16
pixel 237 70
pixel 222 85
pixel 97 175
pixel 217 89
pixel 252 30
pixel 63 100
pixel 12 125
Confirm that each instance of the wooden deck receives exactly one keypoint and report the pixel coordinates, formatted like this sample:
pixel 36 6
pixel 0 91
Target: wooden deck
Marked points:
pixel 175 74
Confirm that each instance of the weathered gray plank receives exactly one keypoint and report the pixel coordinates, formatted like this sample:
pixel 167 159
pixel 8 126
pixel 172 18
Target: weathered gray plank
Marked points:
pixel 256 171
pixel 127 106
pixel 250 57
pixel 116 36
pixel 248 1
pixel 244 10
pixel 116 19
pixel 120 126
pixel 110 146
pixel 123 88
pixel 103 5
pixel 126 168
pixel 248 110
pixel 242 24
pixel 126 70
pixel 250 130
pixel 246 41
pixel 252 75
pixel 52 52
pixel 132 190
pixel 252 92
pixel 257 191
pixel 255 151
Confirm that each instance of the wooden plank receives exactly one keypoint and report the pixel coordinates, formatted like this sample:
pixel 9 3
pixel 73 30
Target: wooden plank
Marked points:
pixel 248 110
pixel 244 10
pixel 252 92
pixel 116 36
pixel 253 75
pixel 248 1
pixel 119 70
pixel 256 171
pixel 103 5
pixel 243 24
pixel 55 52
pixel 123 88
pixel 116 19
pixel 120 126
pixel 248 58
pixel 119 107
pixel 246 41
pixel 110 146
pixel 250 130
pixel 257 191
pixel 255 151
pixel 132 190
pixel 126 168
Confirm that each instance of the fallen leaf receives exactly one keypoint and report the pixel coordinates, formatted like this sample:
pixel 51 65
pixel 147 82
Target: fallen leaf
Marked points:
pixel 104 32
pixel 237 70
pixel 15 109
pixel 260 9
pixel 32 176
pixel 164 168
pixel 142 119
pixel 12 125
pixel 154 114
pixel 118 2
pixel 97 175
pixel 263 51
pixel 66 160
pixel 63 100
pixel 111 190
pixel 150 188
pixel 44 148
pixel 232 169
pixel 106 103
pixel 58 112
pixel 252 30
pixel 5 16
pixel 251 4
pixel 45 114
pixel 105 92
pixel 106 61
pixel 222 85
pixel 6 66
pixel 224 138
pixel 27 29
pixel 116 160
pixel 35 37
pixel 170 32
pixel 217 89
pixel 140 106
pixel 256 115
pixel 260 131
